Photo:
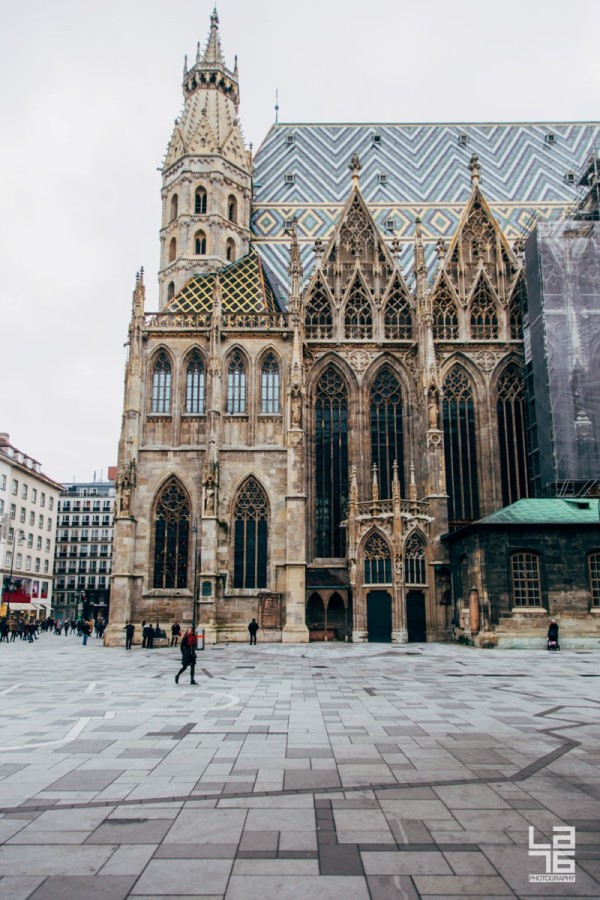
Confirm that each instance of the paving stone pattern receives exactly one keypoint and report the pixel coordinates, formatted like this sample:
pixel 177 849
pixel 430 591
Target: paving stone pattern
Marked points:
pixel 321 771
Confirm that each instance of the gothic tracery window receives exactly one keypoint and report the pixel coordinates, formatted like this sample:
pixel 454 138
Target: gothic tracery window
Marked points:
pixel 331 464
pixel 415 569
pixel 445 317
pixel 387 430
pixel 512 444
pixel 161 384
pixel 251 517
pixel 484 318
pixel 236 384
pixel 397 316
pixel 270 385
pixel 378 561
pixel 194 385
pixel 318 319
pixel 460 448
pixel 358 315
pixel 171 537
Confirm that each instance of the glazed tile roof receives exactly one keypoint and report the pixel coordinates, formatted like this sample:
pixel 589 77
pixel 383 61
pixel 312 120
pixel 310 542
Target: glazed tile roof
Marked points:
pixel 524 172
pixel 576 511
pixel 244 287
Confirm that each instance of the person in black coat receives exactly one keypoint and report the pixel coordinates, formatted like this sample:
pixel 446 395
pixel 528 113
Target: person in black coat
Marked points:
pixel 188 655
pixel 129 630
pixel 253 628
pixel 553 635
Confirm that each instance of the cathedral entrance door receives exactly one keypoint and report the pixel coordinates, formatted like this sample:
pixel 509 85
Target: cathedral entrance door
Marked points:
pixel 379 617
pixel 415 616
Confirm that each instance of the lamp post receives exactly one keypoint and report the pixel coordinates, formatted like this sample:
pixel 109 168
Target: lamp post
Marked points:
pixel 195 530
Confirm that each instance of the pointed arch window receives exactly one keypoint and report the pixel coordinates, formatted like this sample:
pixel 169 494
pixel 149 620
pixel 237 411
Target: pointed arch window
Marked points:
pixel 172 249
pixel 515 312
pixel 270 385
pixel 161 384
pixel 200 201
pixel 445 318
pixel 171 537
pixel 358 316
pixel 398 317
pixel 230 250
pixel 460 448
pixel 251 537
pixel 387 430
pixel 331 464
pixel 318 319
pixel 378 561
pixel 200 243
pixel 415 569
pixel 236 384
pixel 512 442
pixel 174 206
pixel 232 208
pixel 484 318
pixel 171 290
pixel 194 385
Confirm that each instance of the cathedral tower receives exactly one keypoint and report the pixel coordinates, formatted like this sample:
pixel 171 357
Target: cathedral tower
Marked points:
pixel 206 175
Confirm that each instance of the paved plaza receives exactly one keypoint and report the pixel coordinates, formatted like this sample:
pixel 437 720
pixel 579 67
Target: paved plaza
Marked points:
pixel 348 771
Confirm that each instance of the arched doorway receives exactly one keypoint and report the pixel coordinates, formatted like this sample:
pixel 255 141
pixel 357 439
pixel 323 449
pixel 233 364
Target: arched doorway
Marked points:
pixel 379 617
pixel 415 616
pixel 315 612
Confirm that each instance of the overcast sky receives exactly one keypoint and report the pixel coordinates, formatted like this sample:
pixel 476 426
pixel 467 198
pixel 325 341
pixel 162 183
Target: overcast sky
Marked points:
pixel 90 89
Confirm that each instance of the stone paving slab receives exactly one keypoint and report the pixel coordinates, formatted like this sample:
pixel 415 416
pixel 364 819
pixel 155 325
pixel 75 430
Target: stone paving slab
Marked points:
pixel 342 771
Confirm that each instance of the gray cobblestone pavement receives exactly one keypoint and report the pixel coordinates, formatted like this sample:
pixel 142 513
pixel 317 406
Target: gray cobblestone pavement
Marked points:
pixel 325 771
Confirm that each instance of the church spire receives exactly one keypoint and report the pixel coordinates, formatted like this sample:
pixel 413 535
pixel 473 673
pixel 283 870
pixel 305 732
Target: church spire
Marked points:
pixel 213 54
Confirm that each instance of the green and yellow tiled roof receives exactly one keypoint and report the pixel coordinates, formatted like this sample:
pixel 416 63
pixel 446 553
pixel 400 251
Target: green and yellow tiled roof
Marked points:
pixel 243 285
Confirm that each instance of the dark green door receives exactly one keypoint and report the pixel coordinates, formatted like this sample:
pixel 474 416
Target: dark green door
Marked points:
pixel 415 616
pixel 379 617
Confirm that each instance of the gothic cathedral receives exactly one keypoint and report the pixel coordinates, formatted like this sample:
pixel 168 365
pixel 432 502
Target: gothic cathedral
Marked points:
pixel 334 379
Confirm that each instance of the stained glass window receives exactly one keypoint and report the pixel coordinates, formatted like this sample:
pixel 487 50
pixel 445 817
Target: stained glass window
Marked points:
pixel 460 448
pixel 387 430
pixel 512 436
pixel 331 464
pixel 415 570
pixel 251 536
pixel 171 536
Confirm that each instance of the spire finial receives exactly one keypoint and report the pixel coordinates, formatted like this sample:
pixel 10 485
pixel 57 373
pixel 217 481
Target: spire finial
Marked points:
pixel 213 55
pixel 475 170
pixel 355 167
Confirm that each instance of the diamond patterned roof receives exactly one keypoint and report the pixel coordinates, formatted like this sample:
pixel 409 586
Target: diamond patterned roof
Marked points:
pixel 426 175
pixel 244 288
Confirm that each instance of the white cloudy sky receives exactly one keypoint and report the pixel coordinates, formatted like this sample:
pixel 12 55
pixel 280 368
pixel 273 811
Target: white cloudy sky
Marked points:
pixel 90 89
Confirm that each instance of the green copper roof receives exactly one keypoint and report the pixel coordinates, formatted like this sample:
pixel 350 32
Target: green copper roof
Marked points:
pixel 575 511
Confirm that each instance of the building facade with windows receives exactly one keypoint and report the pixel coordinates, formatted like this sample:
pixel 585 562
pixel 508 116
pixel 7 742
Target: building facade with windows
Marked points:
pixel 84 548
pixel 28 505
pixel 334 378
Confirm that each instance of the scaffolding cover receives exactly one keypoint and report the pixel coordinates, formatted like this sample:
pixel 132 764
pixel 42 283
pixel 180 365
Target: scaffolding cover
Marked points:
pixel 562 351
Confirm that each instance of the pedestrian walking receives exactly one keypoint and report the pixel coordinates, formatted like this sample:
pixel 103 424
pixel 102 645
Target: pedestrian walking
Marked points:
pixel 188 655
pixel 253 628
pixel 129 632
pixel 175 632
pixel 149 632
pixel 85 630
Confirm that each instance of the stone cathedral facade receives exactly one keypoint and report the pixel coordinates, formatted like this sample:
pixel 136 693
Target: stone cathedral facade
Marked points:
pixel 334 379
